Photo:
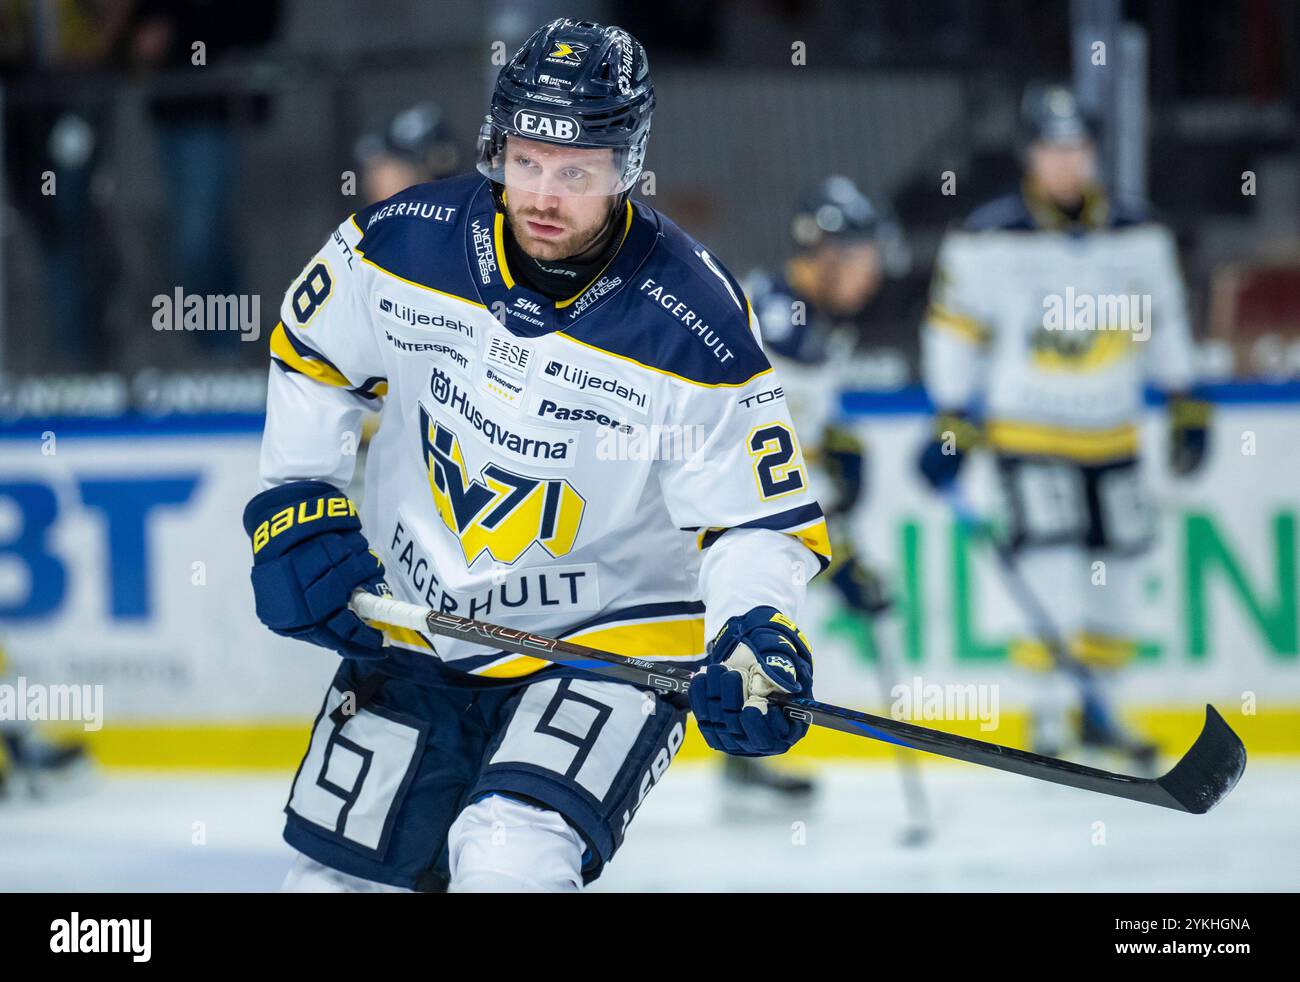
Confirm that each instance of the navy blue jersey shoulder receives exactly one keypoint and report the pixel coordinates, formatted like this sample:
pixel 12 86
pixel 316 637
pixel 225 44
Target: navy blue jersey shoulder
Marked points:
pixel 1008 213
pixel 787 329
pixel 681 312
pixel 417 234
pixel 1011 213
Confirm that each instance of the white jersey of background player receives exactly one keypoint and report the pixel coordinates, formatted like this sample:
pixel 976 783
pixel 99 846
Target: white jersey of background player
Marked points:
pixel 1049 311
pixel 571 441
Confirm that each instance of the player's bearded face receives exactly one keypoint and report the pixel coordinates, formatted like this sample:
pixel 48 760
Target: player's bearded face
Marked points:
pixel 558 199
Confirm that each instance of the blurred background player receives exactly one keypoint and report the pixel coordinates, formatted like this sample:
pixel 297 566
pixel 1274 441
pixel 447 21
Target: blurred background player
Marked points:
pixel 815 318
pixel 415 146
pixel 1049 309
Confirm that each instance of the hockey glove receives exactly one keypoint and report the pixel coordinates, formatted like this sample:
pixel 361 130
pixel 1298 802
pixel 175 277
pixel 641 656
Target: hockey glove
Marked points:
pixel 752 657
pixel 1189 434
pixel 860 585
pixel 844 460
pixel 954 436
pixel 308 557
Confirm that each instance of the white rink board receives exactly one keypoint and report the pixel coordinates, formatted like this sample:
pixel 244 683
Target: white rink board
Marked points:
pixel 196 652
pixel 1241 495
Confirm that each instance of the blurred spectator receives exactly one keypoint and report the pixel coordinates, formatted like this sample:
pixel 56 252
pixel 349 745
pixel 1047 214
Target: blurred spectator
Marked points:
pixel 197 128
pixel 53 139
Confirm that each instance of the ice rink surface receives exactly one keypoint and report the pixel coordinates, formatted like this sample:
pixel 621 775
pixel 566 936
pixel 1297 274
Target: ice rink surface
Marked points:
pixel 990 832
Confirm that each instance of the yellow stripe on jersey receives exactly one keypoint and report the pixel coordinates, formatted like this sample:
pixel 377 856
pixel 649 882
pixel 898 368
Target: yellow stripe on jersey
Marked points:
pixel 1104 650
pixel 498 226
pixel 1031 653
pixel 422 286
pixel 1098 650
pixel 511 667
pixel 1085 446
pixel 963 326
pixel 498 229
pixel 677 638
pixel 664 371
pixel 403 637
pixel 1189 412
pixel 816 537
pixel 318 371
pixel 705 532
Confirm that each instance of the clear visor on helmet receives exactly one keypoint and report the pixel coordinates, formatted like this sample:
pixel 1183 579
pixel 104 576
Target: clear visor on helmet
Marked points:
pixel 540 167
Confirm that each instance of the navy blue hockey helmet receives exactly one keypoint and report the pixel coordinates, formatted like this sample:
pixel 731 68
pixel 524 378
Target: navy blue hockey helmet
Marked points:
pixel 577 84
pixel 1050 112
pixel 834 209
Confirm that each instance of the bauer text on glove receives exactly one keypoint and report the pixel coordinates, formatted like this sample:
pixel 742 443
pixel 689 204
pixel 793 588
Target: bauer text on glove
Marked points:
pixel 308 557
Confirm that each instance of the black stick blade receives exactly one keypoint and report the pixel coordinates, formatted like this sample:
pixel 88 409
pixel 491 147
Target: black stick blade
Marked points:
pixel 1209 770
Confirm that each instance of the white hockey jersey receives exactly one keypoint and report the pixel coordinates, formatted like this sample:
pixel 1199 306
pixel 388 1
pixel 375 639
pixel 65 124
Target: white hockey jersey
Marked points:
pixel 613 468
pixel 1049 333
pixel 812 360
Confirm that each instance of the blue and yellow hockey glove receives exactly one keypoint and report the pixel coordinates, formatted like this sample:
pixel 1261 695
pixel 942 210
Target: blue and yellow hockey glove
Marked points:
pixel 941 458
pixel 752 657
pixel 308 557
pixel 1189 434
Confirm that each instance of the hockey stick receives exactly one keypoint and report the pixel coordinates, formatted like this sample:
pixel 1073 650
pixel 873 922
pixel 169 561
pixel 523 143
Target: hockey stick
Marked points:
pixel 914 798
pixel 1040 621
pixel 1199 781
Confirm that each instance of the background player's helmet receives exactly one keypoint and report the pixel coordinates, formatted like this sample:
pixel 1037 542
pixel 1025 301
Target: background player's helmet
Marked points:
pixel 834 209
pixel 577 84
pixel 1050 112
pixel 419 135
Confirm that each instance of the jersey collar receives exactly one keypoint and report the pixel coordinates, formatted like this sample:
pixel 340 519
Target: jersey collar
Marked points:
pixel 525 312
pixel 1095 213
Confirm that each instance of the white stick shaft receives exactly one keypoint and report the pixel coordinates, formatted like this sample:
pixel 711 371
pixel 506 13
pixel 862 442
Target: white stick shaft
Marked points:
pixel 386 610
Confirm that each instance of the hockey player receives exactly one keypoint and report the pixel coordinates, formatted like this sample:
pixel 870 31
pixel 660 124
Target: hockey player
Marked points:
pixel 1049 309
pixel 578 438
pixel 414 147
pixel 806 314
pixel 817 316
